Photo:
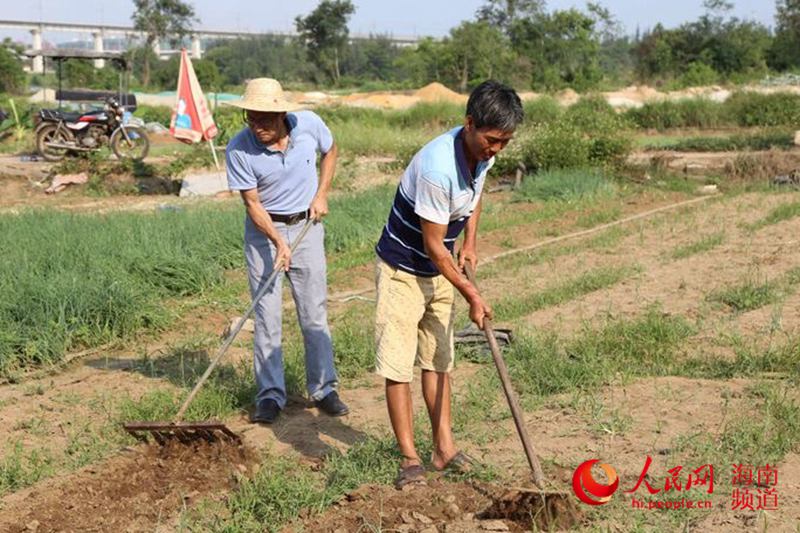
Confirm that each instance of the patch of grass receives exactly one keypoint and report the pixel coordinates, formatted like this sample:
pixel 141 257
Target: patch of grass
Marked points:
pixel 765 436
pixel 354 341
pixel 101 277
pixel 355 224
pixel 704 244
pixel 566 185
pixel 516 306
pixel 753 293
pixel 108 277
pixel 21 468
pixel 747 296
pixel 750 359
pixel 753 141
pixel 779 214
pixel 647 345
pixel 283 488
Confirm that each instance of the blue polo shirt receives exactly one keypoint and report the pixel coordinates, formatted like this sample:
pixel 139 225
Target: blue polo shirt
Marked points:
pixel 286 181
pixel 438 187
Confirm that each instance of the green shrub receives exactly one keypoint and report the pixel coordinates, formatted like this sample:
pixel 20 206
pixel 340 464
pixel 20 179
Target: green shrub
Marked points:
pixel 558 145
pixel 765 140
pixel 699 74
pixel 592 114
pixel 566 185
pixel 518 151
pixel 229 123
pixel 656 115
pixel 542 110
pixel 755 109
pixel 161 114
pixel 702 113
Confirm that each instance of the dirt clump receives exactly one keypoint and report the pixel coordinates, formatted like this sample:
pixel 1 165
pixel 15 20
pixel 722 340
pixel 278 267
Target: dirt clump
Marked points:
pixel 141 490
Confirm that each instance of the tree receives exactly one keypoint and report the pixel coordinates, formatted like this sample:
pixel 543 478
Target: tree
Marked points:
pixel 562 47
pixel 371 59
pixel 785 50
pixel 12 76
pixel 503 13
pixel 264 56
pixel 159 18
pixel 324 33
pixel 478 52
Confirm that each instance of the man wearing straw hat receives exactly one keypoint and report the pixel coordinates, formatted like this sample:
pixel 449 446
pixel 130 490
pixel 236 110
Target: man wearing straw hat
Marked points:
pixel 273 164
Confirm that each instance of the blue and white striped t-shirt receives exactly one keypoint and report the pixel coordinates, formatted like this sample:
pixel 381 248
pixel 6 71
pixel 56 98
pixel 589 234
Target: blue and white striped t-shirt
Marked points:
pixel 437 186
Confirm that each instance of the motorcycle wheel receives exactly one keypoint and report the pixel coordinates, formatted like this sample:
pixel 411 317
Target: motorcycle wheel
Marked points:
pixel 50 133
pixel 134 147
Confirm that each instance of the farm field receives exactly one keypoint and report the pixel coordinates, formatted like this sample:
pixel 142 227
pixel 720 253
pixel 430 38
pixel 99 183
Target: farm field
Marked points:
pixel 674 336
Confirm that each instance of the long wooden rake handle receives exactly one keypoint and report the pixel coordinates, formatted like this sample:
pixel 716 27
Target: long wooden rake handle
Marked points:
pixel 238 327
pixel 513 402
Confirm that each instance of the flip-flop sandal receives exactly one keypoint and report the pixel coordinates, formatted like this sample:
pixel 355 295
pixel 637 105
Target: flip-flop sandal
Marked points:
pixel 410 475
pixel 460 463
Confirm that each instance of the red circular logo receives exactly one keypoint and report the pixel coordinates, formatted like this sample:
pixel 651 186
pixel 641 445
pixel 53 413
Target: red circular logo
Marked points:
pixel 583 483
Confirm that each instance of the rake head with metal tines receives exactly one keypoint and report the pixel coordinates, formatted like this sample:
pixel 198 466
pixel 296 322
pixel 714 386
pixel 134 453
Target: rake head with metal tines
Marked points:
pixel 184 432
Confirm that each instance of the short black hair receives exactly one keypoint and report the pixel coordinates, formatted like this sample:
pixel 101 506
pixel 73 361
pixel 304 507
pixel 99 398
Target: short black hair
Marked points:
pixel 495 105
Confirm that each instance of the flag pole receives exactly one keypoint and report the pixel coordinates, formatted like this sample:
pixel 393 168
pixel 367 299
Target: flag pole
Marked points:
pixel 213 153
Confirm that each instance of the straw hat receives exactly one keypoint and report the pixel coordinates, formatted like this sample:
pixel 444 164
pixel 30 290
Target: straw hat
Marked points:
pixel 266 95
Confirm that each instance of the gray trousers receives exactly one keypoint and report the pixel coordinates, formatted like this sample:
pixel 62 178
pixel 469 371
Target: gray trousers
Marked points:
pixel 308 279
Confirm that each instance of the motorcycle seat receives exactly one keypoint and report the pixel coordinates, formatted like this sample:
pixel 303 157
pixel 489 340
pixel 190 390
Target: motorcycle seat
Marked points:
pixel 55 114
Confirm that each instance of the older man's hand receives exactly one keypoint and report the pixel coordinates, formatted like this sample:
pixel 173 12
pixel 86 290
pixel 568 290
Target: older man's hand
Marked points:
pixel 319 207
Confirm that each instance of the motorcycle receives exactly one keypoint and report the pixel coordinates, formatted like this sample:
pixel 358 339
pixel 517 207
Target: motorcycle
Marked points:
pixel 59 132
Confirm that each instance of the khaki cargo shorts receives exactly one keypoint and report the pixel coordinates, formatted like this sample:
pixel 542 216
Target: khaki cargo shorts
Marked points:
pixel 413 323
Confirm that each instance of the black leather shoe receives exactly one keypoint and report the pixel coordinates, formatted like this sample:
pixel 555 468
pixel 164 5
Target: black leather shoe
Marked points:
pixel 331 405
pixel 266 412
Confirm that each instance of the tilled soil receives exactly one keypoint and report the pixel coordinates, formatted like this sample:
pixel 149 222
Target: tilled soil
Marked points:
pixel 141 490
pixel 439 506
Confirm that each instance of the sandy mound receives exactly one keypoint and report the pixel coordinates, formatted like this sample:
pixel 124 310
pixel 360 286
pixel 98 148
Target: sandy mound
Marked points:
pixel 436 92
pixel 381 100
pixel 567 97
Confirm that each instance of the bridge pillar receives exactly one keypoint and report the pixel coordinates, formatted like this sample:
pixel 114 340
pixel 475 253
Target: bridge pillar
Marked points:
pixel 157 48
pixel 197 51
pixel 97 37
pixel 37 65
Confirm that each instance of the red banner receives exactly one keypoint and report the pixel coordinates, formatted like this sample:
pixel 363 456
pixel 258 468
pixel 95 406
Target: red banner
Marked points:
pixel 191 119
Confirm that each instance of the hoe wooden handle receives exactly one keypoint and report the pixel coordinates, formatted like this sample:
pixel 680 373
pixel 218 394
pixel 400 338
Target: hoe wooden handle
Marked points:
pixel 513 402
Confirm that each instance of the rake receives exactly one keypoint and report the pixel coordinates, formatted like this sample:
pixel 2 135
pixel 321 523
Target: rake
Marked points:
pixel 208 430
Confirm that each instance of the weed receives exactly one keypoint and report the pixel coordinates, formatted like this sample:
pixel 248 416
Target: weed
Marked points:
pixel 520 305
pixel 779 214
pixel 704 244
pixel 20 468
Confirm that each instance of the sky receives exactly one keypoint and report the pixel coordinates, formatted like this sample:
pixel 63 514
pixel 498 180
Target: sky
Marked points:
pixel 399 18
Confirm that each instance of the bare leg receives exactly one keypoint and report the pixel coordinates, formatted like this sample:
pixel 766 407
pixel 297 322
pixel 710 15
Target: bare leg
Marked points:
pixel 398 400
pixel 436 391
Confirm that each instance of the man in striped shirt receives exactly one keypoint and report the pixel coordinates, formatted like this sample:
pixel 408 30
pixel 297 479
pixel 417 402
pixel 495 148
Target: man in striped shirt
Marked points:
pixel 438 198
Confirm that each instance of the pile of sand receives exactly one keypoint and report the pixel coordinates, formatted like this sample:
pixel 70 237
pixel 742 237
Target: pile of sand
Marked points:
pixel 567 97
pixel 436 92
pixel 379 100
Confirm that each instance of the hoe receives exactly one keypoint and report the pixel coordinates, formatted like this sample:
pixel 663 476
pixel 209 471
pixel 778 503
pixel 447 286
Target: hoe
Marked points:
pixel 548 508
